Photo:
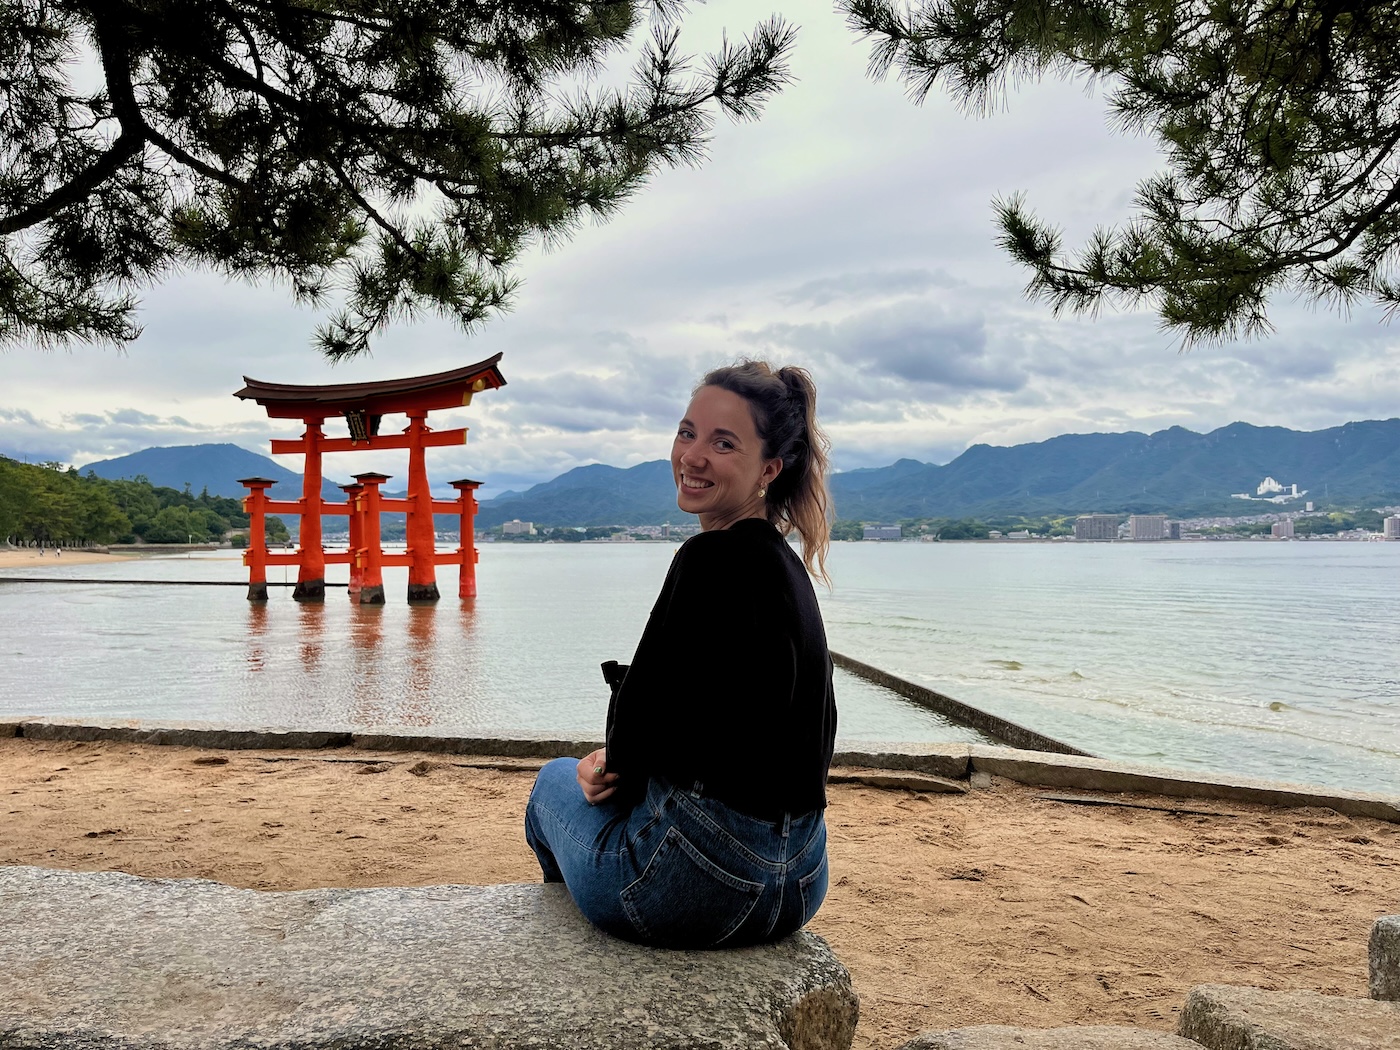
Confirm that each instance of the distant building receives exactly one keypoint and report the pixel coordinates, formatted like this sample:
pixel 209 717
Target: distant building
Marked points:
pixel 1096 527
pixel 1282 530
pixel 1390 528
pixel 1271 491
pixel 881 532
pixel 1174 530
pixel 1147 527
pixel 516 527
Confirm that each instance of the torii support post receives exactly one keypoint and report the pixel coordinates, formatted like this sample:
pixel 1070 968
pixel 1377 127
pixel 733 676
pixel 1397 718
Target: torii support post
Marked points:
pixel 422 541
pixel 356 529
pixel 311 568
pixel 255 557
pixel 370 554
pixel 466 547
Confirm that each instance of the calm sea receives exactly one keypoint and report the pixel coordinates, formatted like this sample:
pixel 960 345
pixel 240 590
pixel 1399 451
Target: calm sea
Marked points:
pixel 1267 658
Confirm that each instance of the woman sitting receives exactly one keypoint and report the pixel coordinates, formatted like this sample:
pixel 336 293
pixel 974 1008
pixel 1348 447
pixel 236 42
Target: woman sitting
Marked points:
pixel 700 825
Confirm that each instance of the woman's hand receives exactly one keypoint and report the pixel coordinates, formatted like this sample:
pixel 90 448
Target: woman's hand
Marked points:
pixel 593 777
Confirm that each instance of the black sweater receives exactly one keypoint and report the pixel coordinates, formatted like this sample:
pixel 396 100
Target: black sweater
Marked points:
pixel 731 683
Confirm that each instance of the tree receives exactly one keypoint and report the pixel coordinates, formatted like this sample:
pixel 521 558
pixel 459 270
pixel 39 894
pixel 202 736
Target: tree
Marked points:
pixel 1279 119
pixel 402 154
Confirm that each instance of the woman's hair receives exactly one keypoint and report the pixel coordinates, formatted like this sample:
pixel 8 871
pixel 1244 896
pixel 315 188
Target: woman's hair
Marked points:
pixel 784 406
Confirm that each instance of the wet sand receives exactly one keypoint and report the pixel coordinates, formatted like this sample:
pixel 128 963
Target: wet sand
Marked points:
pixel 26 558
pixel 990 907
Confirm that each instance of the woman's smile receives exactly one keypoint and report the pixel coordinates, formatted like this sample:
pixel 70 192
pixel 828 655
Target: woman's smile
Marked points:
pixel 717 460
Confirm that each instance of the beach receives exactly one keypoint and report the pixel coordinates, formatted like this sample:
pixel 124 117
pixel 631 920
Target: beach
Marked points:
pixel 995 906
pixel 30 558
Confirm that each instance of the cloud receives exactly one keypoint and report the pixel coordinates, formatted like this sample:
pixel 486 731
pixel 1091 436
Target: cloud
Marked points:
pixel 914 342
pixel 84 437
pixel 864 286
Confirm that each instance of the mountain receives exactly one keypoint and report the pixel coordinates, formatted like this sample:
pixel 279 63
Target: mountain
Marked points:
pixel 1174 471
pixel 593 495
pixel 215 467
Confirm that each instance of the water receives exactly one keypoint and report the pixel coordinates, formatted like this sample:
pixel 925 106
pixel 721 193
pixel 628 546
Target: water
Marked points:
pixel 1271 659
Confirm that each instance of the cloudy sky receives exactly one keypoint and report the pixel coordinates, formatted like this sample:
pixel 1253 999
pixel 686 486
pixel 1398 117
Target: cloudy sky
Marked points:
pixel 848 231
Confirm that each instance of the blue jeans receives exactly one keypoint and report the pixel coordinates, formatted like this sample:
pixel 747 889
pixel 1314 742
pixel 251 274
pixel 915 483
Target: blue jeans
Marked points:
pixel 677 870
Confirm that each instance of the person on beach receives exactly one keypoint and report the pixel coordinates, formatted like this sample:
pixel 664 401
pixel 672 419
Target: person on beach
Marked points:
pixel 701 823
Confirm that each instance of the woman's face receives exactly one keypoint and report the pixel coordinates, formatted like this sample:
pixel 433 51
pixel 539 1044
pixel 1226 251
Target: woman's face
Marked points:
pixel 717 460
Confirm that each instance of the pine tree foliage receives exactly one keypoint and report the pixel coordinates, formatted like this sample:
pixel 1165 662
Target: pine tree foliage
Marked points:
pixel 1279 121
pixel 383 157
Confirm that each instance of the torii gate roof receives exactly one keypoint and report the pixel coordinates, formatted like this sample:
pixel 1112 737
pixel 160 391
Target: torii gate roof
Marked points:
pixel 450 389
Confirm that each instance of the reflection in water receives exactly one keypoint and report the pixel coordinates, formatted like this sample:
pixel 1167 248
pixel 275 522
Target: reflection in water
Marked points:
pixel 313 619
pixel 368 687
pixel 257 627
pixel 418 704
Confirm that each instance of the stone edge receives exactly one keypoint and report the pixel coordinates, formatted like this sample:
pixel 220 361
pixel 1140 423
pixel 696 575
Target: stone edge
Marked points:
pixel 956 761
pixel 1069 771
pixel 1383 952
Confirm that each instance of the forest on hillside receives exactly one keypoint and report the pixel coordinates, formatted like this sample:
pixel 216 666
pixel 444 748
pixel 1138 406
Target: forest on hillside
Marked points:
pixel 44 503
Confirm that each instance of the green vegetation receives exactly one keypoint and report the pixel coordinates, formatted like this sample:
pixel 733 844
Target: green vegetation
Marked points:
pixel 44 503
pixel 561 534
pixel 1277 122
pixel 962 528
pixel 1338 521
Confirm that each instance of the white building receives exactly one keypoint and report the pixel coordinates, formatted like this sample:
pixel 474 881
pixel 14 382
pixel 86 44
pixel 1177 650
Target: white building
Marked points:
pixel 1271 491
pixel 1282 530
pixel 1390 528
pixel 1147 527
pixel 516 527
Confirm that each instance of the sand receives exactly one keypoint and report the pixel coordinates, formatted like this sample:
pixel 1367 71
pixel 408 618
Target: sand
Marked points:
pixel 990 907
pixel 29 558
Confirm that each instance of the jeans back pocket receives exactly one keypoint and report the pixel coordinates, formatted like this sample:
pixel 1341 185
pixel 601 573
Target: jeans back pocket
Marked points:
pixel 683 899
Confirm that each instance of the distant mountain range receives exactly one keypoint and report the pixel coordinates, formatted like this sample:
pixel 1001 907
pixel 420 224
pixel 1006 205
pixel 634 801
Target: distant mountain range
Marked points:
pixel 593 495
pixel 1175 471
pixel 213 467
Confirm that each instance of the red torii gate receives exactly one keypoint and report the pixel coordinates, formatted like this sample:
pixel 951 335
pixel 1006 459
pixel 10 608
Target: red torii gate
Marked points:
pixel 363 405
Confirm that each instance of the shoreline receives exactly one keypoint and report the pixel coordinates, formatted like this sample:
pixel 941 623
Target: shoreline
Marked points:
pixel 998 904
pixel 29 558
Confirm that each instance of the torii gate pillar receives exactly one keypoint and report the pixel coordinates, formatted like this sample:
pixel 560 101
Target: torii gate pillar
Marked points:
pixel 422 576
pixel 311 569
pixel 466 548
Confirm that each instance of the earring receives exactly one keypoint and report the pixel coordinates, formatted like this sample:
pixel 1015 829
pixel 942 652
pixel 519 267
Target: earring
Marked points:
pixel 762 493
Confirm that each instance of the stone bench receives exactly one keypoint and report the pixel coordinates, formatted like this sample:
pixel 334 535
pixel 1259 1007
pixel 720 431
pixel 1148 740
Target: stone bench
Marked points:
pixel 1385 958
pixel 1089 1037
pixel 103 959
pixel 1227 1017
